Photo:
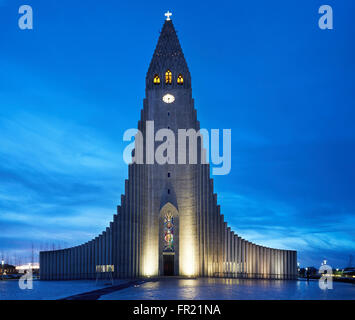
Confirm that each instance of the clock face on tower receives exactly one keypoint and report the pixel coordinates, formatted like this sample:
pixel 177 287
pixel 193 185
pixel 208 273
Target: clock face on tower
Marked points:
pixel 168 98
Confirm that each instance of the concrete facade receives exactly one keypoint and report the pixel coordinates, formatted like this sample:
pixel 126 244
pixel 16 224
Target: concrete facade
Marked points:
pixel 164 198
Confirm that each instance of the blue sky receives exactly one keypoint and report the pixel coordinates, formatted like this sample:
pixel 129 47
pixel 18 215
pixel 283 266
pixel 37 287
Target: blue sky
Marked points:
pixel 73 85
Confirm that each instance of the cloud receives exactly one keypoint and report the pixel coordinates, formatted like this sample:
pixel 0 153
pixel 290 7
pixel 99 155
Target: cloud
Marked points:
pixel 58 180
pixel 316 231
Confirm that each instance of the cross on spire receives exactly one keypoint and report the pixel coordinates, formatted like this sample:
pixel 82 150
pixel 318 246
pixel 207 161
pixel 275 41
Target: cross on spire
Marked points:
pixel 168 14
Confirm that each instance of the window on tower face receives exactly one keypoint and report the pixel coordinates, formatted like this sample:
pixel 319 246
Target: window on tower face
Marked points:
pixel 168 77
pixel 156 79
pixel 180 79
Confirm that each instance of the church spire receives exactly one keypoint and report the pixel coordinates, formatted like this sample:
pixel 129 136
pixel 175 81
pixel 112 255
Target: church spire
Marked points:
pixel 168 56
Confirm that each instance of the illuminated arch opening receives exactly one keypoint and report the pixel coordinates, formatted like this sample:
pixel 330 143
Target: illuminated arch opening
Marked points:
pixel 156 79
pixel 168 77
pixel 180 79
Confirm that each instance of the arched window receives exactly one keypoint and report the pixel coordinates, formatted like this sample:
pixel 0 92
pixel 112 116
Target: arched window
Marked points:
pixel 180 79
pixel 156 79
pixel 168 232
pixel 168 77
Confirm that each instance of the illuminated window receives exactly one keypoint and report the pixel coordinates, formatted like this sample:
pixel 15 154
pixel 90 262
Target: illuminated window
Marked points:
pixel 156 79
pixel 168 77
pixel 180 79
pixel 105 268
pixel 168 232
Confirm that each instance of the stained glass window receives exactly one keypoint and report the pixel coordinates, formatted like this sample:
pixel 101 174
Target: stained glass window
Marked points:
pixel 169 232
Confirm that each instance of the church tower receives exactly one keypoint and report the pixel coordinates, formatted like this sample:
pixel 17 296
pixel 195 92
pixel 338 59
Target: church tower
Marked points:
pixel 170 243
pixel 168 222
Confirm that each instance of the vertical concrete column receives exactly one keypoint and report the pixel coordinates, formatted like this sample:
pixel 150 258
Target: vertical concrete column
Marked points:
pixel 46 266
pixel 72 263
pixel 55 264
pixel 93 261
pixel 61 264
pixel 80 257
pixel 89 270
pixel 85 261
pixel 294 265
pixel 75 263
pixel 53 267
pixel 109 247
pixel 240 254
pixel 88 252
pixel 274 268
pixel 104 248
pixel 97 261
pixel 279 262
pixel 59 261
pixel 291 264
pixel 88 267
pixel 66 264
pixel 244 267
pixel 266 259
pixel 78 262
pixel 284 264
pixel 81 261
pixel 42 265
pixel 244 254
pixel 276 252
pixel 99 250
pixel 254 271
pixel 71 255
pixel 236 237
pixel 262 259
pixel 233 252
pixel 62 273
pixel 244 257
pixel 258 260
pixel 49 262
pixel 229 251
pixel 288 265
pixel 269 262
pixel 247 258
pixel 248 255
pixel 236 251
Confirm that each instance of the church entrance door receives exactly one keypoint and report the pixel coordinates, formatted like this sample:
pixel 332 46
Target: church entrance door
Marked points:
pixel 168 262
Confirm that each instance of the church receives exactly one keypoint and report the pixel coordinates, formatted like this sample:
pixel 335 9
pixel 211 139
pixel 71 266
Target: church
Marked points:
pixel 169 222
